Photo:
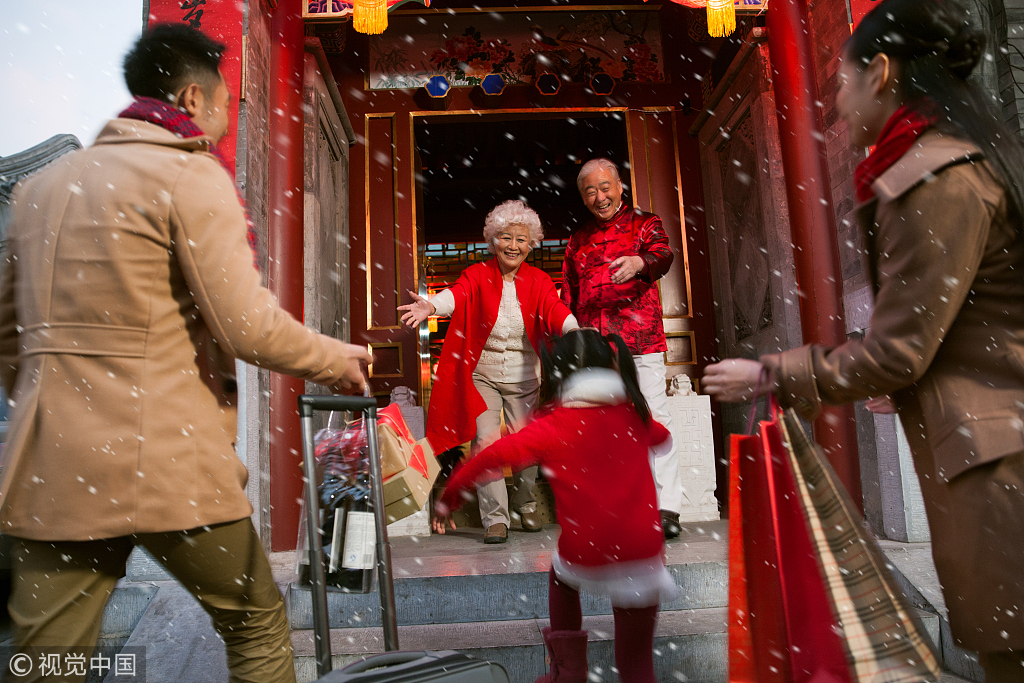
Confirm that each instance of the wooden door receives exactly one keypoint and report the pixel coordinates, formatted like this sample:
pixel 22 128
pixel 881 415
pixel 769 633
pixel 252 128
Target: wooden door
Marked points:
pixel 326 229
pixel 326 276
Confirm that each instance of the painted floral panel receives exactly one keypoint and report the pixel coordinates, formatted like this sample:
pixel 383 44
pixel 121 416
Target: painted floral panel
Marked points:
pixel 517 45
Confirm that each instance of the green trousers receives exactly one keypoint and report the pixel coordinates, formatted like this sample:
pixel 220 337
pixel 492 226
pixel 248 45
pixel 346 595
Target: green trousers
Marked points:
pixel 59 590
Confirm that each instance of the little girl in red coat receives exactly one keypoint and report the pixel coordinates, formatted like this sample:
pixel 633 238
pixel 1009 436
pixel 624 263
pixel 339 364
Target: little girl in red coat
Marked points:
pixel 593 439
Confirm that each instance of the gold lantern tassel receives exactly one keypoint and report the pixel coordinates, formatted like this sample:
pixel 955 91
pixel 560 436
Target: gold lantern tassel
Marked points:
pixel 721 18
pixel 370 16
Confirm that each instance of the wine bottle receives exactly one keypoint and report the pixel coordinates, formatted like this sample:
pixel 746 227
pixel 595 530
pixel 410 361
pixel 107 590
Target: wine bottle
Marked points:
pixel 348 528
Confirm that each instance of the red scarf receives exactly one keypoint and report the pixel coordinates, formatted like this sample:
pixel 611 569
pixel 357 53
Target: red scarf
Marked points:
pixel 168 117
pixel 898 135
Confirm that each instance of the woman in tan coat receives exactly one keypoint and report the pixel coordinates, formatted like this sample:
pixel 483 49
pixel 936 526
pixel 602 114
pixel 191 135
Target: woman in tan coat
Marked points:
pixel 940 214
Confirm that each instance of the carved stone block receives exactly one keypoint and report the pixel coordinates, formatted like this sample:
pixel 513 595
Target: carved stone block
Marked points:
pixel 692 431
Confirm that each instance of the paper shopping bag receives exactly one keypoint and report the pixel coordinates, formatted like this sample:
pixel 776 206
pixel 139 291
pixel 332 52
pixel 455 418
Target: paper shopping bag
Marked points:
pixel 810 597
pixel 780 625
pixel 396 443
pixel 883 639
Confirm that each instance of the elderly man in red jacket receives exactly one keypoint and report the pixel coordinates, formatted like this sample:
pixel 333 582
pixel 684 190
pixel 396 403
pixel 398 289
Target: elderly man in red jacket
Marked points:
pixel 608 282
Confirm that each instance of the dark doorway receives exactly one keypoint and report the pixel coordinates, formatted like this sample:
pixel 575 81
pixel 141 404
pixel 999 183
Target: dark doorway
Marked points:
pixel 470 164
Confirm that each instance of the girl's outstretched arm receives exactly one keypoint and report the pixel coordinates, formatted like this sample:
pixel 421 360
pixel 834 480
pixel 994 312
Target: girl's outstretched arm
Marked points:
pixel 519 451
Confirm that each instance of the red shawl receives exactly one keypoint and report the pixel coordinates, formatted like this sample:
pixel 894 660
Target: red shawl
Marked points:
pixel 454 401
pixel 897 137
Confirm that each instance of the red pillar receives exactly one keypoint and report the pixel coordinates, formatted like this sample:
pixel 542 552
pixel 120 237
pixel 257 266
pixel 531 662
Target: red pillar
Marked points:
pixel 812 219
pixel 285 274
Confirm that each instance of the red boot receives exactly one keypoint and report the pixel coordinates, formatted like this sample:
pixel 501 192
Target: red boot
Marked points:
pixel 567 657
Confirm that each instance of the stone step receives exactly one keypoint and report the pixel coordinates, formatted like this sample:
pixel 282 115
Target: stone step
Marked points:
pixel 456 578
pixel 914 572
pixel 689 646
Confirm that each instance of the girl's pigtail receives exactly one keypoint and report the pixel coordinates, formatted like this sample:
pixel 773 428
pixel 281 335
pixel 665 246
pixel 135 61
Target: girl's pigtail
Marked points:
pixel 629 377
pixel 550 379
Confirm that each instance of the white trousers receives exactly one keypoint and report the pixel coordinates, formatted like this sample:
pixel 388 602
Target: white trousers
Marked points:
pixel 650 370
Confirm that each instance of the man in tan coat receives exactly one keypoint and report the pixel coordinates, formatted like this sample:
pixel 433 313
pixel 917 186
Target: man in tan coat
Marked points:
pixel 127 291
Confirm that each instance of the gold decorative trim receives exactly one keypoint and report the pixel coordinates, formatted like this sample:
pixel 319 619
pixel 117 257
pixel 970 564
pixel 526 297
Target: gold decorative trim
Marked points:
pixel 387 345
pixel 682 222
pixel 650 175
pixel 632 161
pixel 521 10
pixel 478 114
pixel 245 69
pixel 693 347
pixel 394 219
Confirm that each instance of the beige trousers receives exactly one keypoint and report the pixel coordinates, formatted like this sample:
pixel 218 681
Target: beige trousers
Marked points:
pixel 59 590
pixel 517 400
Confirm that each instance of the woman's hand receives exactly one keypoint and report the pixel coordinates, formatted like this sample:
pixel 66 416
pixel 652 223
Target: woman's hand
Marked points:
pixel 882 405
pixel 419 310
pixel 442 516
pixel 735 380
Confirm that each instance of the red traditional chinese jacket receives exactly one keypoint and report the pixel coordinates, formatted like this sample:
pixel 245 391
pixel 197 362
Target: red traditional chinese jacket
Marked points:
pixel 632 309
pixel 454 401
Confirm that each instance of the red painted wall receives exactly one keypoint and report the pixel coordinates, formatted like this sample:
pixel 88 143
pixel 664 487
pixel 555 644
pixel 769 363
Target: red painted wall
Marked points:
pixel 222 21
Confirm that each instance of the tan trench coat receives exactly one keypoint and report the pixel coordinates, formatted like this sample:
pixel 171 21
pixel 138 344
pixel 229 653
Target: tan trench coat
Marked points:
pixel 947 342
pixel 128 289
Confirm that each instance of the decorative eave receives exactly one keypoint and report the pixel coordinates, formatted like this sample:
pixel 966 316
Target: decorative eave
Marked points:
pixel 16 166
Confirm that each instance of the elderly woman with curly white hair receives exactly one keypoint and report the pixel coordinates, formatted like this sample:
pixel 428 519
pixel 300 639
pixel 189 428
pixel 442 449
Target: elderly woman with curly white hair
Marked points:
pixel 502 311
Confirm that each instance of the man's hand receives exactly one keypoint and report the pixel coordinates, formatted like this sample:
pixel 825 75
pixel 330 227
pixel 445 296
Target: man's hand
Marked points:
pixel 419 310
pixel 735 380
pixel 353 379
pixel 442 516
pixel 625 268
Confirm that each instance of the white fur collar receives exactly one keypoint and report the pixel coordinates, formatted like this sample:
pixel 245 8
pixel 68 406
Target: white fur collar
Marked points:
pixel 593 387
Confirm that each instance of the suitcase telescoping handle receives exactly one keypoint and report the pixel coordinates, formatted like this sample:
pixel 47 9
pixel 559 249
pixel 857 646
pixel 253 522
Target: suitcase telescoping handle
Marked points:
pixel 318 581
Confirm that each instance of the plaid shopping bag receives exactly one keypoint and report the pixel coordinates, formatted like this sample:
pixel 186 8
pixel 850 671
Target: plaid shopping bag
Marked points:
pixel 810 597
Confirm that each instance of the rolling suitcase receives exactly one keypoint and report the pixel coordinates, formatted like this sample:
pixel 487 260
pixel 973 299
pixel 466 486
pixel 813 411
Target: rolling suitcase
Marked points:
pixel 317 577
pixel 447 666
pixel 400 667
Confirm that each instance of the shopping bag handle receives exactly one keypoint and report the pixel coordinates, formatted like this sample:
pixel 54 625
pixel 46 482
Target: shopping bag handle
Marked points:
pixel 773 404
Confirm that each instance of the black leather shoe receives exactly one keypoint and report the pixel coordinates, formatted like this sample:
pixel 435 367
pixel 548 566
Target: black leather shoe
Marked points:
pixel 530 521
pixel 670 524
pixel 496 533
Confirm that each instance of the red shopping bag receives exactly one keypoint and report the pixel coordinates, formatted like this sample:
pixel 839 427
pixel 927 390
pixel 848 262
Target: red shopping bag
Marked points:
pixel 785 630
pixel 809 601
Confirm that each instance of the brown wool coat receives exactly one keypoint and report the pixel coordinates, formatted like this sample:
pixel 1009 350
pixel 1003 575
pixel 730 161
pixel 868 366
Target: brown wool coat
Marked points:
pixel 946 341
pixel 127 290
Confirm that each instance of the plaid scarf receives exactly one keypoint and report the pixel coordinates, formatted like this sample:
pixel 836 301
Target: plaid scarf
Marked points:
pixel 898 135
pixel 169 117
